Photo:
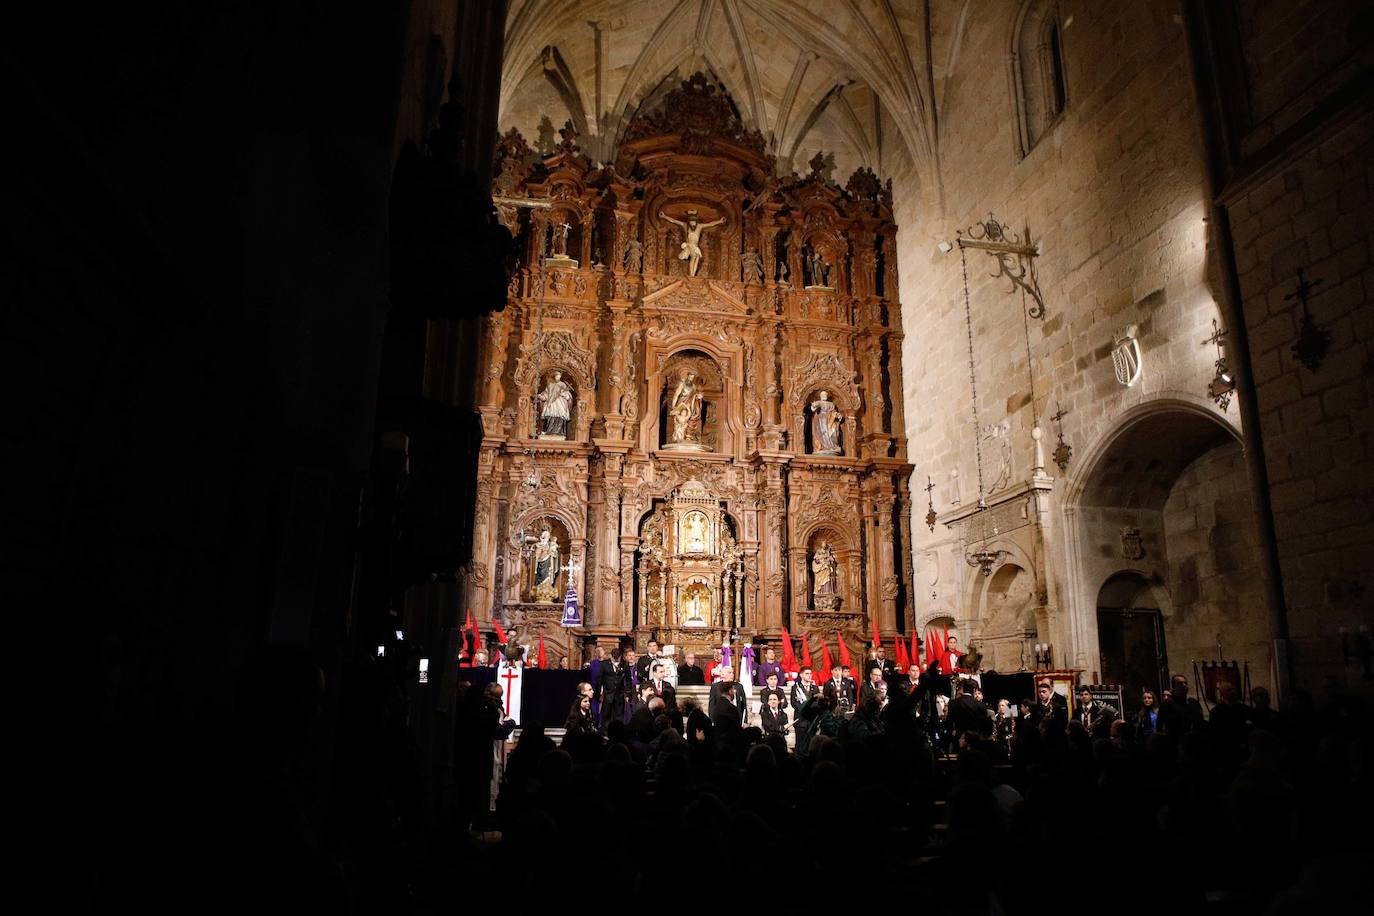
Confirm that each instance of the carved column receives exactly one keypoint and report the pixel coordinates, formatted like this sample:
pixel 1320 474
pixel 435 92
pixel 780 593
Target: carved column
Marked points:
pixel 886 565
pixel 494 359
pixel 539 227
pixel 609 590
pixel 906 562
pixel 585 262
pixel 894 375
pixel 800 565
pixel 890 268
pixel 770 615
pixel 485 546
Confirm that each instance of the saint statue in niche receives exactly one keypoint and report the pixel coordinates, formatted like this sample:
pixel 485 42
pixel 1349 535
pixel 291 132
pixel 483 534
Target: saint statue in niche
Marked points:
pixel 818 268
pixel 696 604
pixel 560 239
pixel 694 533
pixel 555 407
pixel 546 554
pixel 684 413
pixel 823 566
pixel 691 244
pixel 825 426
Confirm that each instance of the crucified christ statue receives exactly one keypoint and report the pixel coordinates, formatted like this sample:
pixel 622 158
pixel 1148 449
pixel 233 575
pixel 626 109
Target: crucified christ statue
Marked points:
pixel 691 244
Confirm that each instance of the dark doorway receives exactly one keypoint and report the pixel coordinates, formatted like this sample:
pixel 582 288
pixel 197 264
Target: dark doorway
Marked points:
pixel 1130 637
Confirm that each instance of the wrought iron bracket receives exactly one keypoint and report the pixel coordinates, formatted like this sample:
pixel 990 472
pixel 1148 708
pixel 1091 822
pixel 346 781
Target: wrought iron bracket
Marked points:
pixel 1015 255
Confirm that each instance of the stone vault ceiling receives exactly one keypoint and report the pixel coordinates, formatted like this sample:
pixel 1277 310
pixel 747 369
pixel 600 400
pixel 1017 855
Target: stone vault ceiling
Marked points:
pixel 852 78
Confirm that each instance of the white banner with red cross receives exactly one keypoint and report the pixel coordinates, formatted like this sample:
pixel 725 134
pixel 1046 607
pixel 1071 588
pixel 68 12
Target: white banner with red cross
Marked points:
pixel 512 680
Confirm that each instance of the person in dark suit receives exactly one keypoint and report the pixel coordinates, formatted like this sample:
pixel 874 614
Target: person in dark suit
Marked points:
pixel 1179 712
pixel 851 688
pixel 646 661
pixel 966 714
pixel 736 693
pixel 1096 717
pixel 725 711
pixel 773 717
pixel 803 689
pixel 613 684
pixel 1051 711
pixel 769 688
pixel 656 678
pixel 689 674
pixel 871 686
pixel 594 677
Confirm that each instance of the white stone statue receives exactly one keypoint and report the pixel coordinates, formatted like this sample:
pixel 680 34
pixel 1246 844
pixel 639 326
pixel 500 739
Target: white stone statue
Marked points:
pixel 691 245
pixel 825 426
pixel 684 411
pixel 694 529
pixel 823 566
pixel 555 407
pixel 546 555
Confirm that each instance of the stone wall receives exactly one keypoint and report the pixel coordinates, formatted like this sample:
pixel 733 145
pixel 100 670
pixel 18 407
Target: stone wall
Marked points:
pixel 1213 576
pixel 1316 424
pixel 1115 194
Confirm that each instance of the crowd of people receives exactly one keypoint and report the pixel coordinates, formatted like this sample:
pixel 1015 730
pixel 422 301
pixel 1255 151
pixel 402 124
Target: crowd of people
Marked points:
pixel 912 783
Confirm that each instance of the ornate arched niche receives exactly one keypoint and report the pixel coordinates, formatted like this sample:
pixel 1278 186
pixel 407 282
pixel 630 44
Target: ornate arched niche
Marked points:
pixel 824 372
pixel 554 351
pixel 687 376
pixel 689 569
pixel 842 556
pixel 833 252
pixel 672 217
pixel 536 558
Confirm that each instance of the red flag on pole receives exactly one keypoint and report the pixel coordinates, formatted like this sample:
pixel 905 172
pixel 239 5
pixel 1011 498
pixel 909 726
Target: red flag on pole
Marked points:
pixel 824 674
pixel 932 650
pixel 806 652
pixel 902 661
pixel 789 658
pixel 543 659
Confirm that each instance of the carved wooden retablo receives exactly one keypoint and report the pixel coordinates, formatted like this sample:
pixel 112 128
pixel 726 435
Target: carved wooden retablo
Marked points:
pixel 730 344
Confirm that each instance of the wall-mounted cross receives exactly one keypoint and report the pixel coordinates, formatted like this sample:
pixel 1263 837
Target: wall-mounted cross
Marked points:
pixel 1313 341
pixel 1218 335
pixel 1063 452
pixel 1305 287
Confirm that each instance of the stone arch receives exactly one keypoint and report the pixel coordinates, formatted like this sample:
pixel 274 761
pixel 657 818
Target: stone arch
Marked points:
pixel 1164 494
pixel 1171 403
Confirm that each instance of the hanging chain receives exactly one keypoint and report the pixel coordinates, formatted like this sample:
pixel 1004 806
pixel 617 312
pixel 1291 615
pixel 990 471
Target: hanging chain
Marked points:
pixel 1030 371
pixel 972 377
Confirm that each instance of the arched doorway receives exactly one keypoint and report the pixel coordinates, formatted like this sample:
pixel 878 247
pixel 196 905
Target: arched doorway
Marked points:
pixel 1130 637
pixel 1161 520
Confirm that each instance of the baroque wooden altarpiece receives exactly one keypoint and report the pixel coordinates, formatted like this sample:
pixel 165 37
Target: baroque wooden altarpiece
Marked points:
pixel 795 294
